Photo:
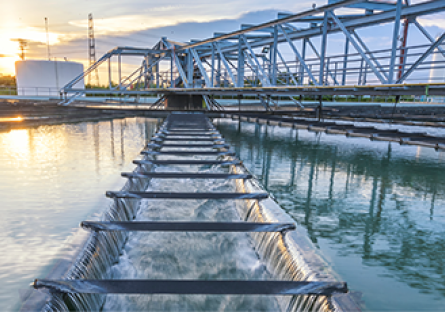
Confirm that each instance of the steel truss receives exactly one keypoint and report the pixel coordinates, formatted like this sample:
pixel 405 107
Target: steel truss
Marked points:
pixel 250 61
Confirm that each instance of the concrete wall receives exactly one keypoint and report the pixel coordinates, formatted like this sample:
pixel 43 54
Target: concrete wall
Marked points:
pixel 45 78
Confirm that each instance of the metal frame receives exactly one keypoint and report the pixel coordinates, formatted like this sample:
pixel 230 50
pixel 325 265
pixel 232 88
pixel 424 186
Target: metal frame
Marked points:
pixel 251 56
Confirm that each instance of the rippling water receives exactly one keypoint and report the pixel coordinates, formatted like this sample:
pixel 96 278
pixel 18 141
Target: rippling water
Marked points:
pixel 189 255
pixel 375 209
pixel 53 177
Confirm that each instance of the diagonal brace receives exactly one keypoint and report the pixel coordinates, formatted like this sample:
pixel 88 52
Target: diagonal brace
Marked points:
pixel 422 58
pixel 428 36
pixel 200 66
pixel 358 48
pixel 300 58
pixel 260 68
pixel 177 63
pixel 226 65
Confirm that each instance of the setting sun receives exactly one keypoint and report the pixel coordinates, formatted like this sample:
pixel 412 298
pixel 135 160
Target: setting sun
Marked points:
pixel 11 119
pixel 10 48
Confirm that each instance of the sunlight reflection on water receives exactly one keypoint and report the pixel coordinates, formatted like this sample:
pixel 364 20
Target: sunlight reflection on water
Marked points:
pixel 53 177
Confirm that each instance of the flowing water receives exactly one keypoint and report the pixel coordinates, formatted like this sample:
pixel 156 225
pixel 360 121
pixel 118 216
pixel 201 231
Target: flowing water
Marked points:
pixel 177 255
pixel 51 178
pixel 376 210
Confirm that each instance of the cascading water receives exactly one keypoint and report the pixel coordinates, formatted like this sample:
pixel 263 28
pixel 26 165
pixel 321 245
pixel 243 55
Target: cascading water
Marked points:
pixel 96 254
pixel 203 256
pixel 189 255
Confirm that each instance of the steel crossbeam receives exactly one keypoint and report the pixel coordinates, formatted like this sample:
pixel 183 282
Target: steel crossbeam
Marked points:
pixel 179 153
pixel 170 175
pixel 422 58
pixel 178 195
pixel 187 162
pixel 158 226
pixel 358 48
pixel 254 52
pixel 188 145
pixel 193 287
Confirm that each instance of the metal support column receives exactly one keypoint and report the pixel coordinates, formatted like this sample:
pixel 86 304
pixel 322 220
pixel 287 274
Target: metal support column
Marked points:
pixel 395 40
pixel 212 76
pixel 119 62
pixel 303 55
pixel 110 83
pixel 274 56
pixel 324 40
pixel 240 73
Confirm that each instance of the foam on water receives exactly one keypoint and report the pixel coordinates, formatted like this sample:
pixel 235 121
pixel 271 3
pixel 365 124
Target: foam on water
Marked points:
pixel 189 255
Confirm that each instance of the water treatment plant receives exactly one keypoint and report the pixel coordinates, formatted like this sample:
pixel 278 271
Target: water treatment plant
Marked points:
pixel 294 164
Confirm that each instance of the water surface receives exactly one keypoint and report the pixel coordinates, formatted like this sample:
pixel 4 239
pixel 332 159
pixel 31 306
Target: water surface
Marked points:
pixel 189 255
pixel 52 178
pixel 375 209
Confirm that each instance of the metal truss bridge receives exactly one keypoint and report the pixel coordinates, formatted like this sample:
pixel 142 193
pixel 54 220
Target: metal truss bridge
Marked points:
pixel 288 57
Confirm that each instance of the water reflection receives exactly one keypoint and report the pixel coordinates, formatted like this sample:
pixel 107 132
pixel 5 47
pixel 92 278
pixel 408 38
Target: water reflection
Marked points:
pixel 53 177
pixel 370 206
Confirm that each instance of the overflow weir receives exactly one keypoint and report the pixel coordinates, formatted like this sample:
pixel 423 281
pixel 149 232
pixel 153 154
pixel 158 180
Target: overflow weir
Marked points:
pixel 231 245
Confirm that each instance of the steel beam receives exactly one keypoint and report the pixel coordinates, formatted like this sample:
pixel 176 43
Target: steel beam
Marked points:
pixel 395 40
pixel 274 55
pixel 292 18
pixel 226 65
pixel 428 36
pixel 422 58
pixel 358 48
pixel 193 287
pixel 288 69
pixel 240 73
pixel 158 226
pixel 264 79
pixel 324 42
pixel 289 41
pixel 201 67
pixel 362 43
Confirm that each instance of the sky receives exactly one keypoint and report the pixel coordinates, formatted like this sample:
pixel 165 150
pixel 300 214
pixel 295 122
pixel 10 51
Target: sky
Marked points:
pixel 137 23
pixel 112 19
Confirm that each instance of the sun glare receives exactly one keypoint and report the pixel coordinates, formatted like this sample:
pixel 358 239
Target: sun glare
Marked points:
pixel 11 119
pixel 10 50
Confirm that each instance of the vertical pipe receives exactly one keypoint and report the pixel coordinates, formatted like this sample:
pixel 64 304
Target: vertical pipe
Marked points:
pixel 172 83
pixel 326 76
pixel 119 69
pixel 364 74
pixel 190 69
pixel 303 56
pixel 360 73
pixel 335 70
pixel 218 70
pixel 212 78
pixel 323 48
pixel 395 39
pixel 110 83
pixel 146 82
pixel 274 55
pixel 403 50
pixel 157 75
pixel 240 78
pixel 345 61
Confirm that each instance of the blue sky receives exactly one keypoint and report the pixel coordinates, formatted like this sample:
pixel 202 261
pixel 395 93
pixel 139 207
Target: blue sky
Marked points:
pixel 68 21
pixel 142 23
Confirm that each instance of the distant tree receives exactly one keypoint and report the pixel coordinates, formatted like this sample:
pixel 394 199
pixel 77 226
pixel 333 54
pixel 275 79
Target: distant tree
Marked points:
pixel 7 81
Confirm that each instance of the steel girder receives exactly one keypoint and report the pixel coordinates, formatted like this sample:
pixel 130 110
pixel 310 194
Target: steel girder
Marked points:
pixel 206 55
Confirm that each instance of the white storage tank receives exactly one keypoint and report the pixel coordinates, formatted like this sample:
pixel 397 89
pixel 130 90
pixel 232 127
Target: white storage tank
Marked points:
pixel 46 78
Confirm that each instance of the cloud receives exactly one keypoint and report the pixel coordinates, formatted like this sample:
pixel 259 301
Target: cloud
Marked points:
pixel 430 22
